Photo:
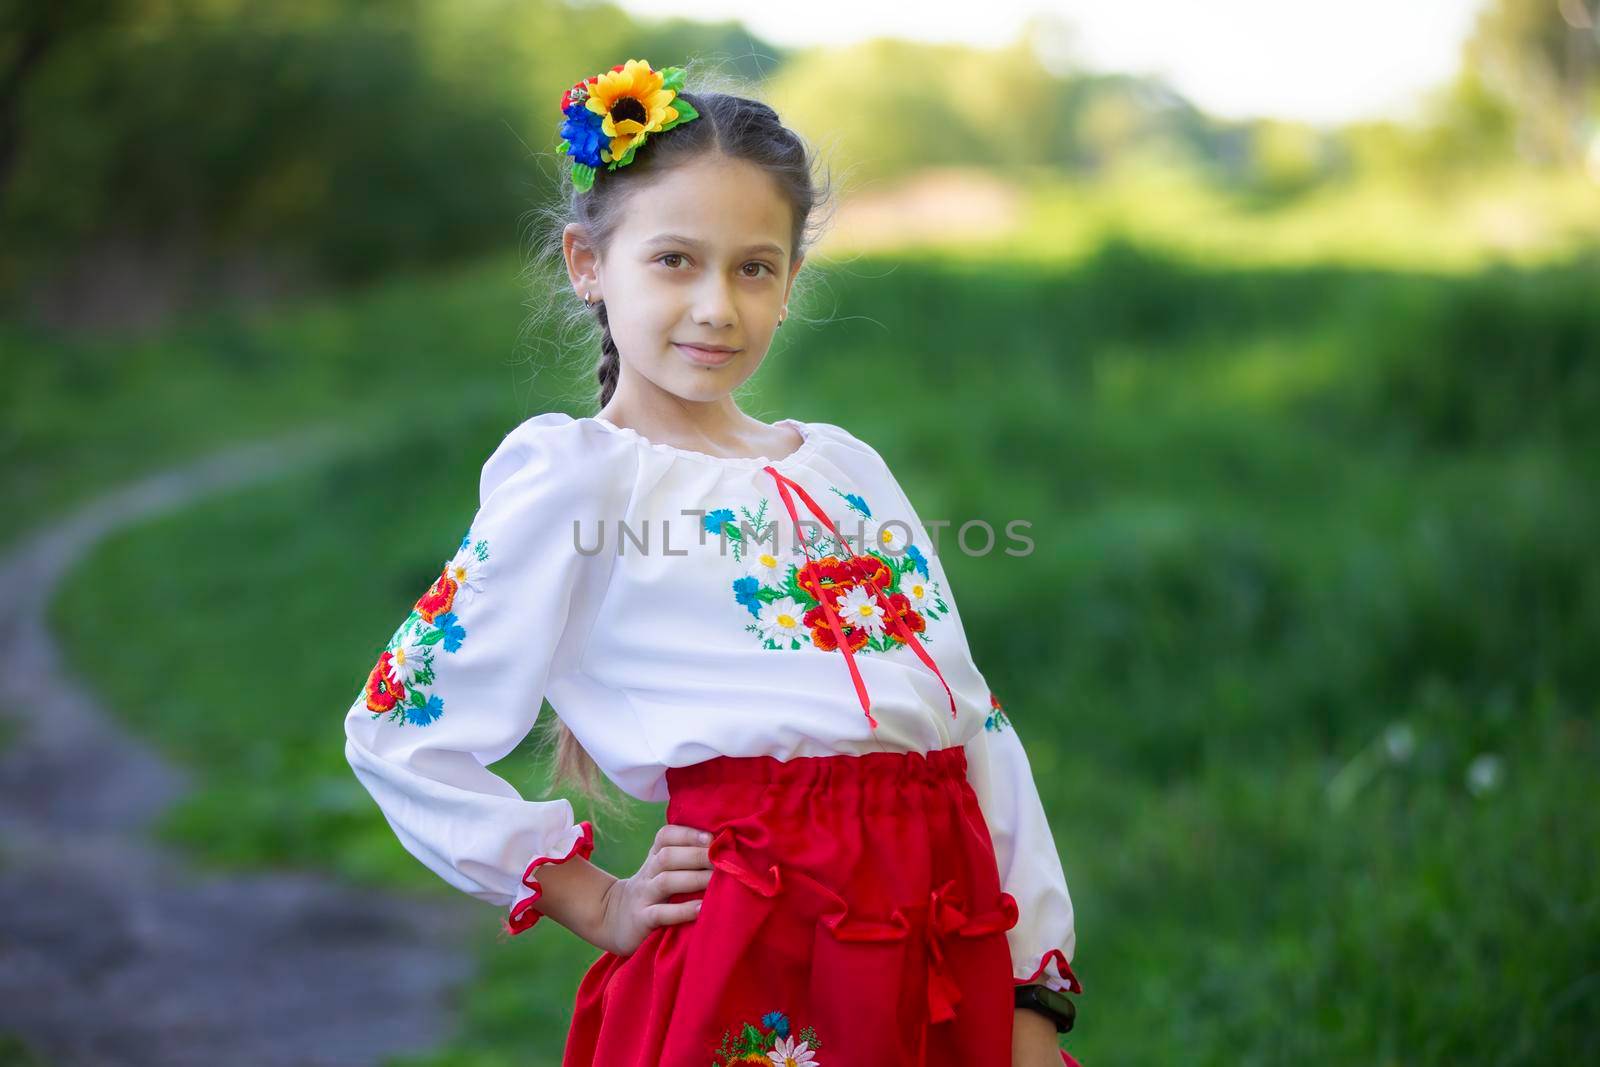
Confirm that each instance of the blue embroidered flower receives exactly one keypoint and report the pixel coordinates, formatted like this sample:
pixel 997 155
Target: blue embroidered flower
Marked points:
pixel 423 714
pixel 919 559
pixel 745 590
pixel 777 1022
pixel 714 519
pixel 857 503
pixel 582 130
pixel 452 629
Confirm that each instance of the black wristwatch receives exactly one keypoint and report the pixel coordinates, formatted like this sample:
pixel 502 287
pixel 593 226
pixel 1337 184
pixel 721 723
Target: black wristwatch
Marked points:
pixel 1057 1007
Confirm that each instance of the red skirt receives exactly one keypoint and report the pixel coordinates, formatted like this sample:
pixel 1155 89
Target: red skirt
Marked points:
pixel 854 916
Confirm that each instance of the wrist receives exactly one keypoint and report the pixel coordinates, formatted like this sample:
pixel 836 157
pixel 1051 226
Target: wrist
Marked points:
pixel 1033 1036
pixel 575 894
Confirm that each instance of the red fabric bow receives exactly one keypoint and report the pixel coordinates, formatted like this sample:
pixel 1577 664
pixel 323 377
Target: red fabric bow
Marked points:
pixel 946 918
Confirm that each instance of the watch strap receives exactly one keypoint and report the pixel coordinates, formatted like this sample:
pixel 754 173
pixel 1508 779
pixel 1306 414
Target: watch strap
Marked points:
pixel 1044 1001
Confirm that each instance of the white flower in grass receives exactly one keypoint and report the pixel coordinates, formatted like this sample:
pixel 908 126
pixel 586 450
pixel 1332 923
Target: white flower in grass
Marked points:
pixel 1400 741
pixel 860 609
pixel 1483 774
pixel 788 1054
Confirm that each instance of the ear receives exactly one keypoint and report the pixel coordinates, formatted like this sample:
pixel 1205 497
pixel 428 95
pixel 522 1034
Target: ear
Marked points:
pixel 583 262
pixel 794 270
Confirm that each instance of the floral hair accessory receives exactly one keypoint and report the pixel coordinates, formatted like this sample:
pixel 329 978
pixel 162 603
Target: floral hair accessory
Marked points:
pixel 611 114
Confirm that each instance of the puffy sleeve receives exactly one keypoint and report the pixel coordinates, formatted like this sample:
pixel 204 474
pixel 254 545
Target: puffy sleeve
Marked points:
pixel 462 680
pixel 1044 937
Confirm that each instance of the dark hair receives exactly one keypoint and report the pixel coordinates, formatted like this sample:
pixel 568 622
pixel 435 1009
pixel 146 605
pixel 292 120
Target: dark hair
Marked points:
pixel 739 127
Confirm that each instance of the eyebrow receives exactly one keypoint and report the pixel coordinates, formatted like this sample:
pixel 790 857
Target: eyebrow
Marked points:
pixel 679 239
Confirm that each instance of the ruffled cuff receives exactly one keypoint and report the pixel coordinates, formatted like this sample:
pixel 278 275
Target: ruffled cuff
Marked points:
pixel 578 841
pixel 1062 978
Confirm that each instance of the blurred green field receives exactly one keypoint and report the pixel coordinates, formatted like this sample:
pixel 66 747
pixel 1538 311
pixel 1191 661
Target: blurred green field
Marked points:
pixel 1439 223
pixel 1304 656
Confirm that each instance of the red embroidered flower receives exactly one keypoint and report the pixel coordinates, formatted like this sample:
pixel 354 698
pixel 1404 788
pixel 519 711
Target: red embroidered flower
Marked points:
pixel 383 692
pixel 826 577
pixel 899 605
pixel 439 597
pixel 822 634
pixel 871 572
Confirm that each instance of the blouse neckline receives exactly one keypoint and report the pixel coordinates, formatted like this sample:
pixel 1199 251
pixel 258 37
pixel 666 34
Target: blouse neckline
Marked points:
pixel 807 445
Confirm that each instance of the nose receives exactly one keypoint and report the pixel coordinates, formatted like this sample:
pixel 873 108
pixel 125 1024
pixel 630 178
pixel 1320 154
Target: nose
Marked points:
pixel 713 304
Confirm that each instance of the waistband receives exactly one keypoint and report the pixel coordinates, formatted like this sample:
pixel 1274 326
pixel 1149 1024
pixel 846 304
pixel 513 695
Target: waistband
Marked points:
pixel 822 771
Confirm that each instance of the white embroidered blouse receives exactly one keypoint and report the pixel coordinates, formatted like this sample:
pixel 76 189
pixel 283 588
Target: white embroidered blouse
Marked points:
pixel 660 600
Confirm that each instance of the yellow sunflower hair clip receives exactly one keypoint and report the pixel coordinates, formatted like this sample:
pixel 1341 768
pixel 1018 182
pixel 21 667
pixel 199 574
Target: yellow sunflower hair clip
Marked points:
pixel 607 117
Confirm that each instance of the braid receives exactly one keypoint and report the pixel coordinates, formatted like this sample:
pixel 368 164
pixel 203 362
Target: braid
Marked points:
pixel 610 364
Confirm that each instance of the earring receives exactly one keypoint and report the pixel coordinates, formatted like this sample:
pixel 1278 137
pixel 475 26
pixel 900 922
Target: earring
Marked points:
pixel 587 302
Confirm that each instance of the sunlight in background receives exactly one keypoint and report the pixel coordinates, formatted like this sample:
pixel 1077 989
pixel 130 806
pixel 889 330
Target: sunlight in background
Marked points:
pixel 1235 58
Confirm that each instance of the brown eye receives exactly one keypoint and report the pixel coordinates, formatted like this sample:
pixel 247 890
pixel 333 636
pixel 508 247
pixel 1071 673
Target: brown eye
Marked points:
pixel 763 266
pixel 669 255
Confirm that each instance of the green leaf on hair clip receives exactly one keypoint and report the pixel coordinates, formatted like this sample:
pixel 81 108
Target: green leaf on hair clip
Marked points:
pixel 627 157
pixel 671 78
pixel 685 112
pixel 582 177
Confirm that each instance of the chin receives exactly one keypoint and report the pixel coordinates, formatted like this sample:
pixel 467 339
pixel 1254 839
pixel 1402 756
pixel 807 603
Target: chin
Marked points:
pixel 703 387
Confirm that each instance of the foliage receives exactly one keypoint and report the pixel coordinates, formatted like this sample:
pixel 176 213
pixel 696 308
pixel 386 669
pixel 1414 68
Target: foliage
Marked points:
pixel 1303 657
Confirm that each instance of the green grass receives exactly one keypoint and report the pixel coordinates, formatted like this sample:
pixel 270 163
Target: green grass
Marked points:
pixel 14 1052
pixel 100 412
pixel 1279 511
pixel 1451 226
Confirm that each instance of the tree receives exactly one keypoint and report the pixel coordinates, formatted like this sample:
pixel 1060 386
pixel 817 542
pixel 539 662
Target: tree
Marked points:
pixel 1543 58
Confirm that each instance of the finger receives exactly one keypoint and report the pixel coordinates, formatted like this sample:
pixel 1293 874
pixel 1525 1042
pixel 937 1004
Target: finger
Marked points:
pixel 682 857
pixel 671 914
pixel 668 882
pixel 678 834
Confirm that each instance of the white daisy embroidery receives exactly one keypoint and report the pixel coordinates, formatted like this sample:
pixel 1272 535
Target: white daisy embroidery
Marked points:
pixel 916 588
pixel 408 658
pixel 467 571
pixel 780 621
pixel 788 1054
pixel 765 567
pixel 892 539
pixel 860 609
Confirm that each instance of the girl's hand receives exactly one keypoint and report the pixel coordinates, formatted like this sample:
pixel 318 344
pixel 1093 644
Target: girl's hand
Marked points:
pixel 679 862
pixel 1034 1041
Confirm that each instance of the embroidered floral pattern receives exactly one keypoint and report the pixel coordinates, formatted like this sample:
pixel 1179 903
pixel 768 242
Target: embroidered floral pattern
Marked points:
pixel 769 1044
pixel 401 682
pixel 997 715
pixel 889 579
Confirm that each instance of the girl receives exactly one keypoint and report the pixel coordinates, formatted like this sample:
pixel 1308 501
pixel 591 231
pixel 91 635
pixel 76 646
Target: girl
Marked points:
pixel 748 621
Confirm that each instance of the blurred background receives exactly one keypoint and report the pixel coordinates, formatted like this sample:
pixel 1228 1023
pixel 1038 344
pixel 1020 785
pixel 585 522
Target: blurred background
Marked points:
pixel 1279 322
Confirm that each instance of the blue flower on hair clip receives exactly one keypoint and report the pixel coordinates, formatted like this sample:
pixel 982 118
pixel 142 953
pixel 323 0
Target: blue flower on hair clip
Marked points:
pixel 584 135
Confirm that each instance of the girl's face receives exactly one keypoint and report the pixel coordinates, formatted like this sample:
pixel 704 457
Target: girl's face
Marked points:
pixel 701 258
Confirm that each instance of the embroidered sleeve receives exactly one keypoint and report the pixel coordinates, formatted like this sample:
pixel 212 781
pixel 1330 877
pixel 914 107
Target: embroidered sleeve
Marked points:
pixel 1044 938
pixel 461 682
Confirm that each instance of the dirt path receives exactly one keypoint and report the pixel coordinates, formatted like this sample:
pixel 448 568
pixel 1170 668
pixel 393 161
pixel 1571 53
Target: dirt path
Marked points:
pixel 112 950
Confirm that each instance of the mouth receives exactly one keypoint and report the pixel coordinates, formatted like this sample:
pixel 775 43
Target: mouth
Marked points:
pixel 707 357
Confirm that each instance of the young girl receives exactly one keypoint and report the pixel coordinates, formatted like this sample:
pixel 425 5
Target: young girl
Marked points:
pixel 748 621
